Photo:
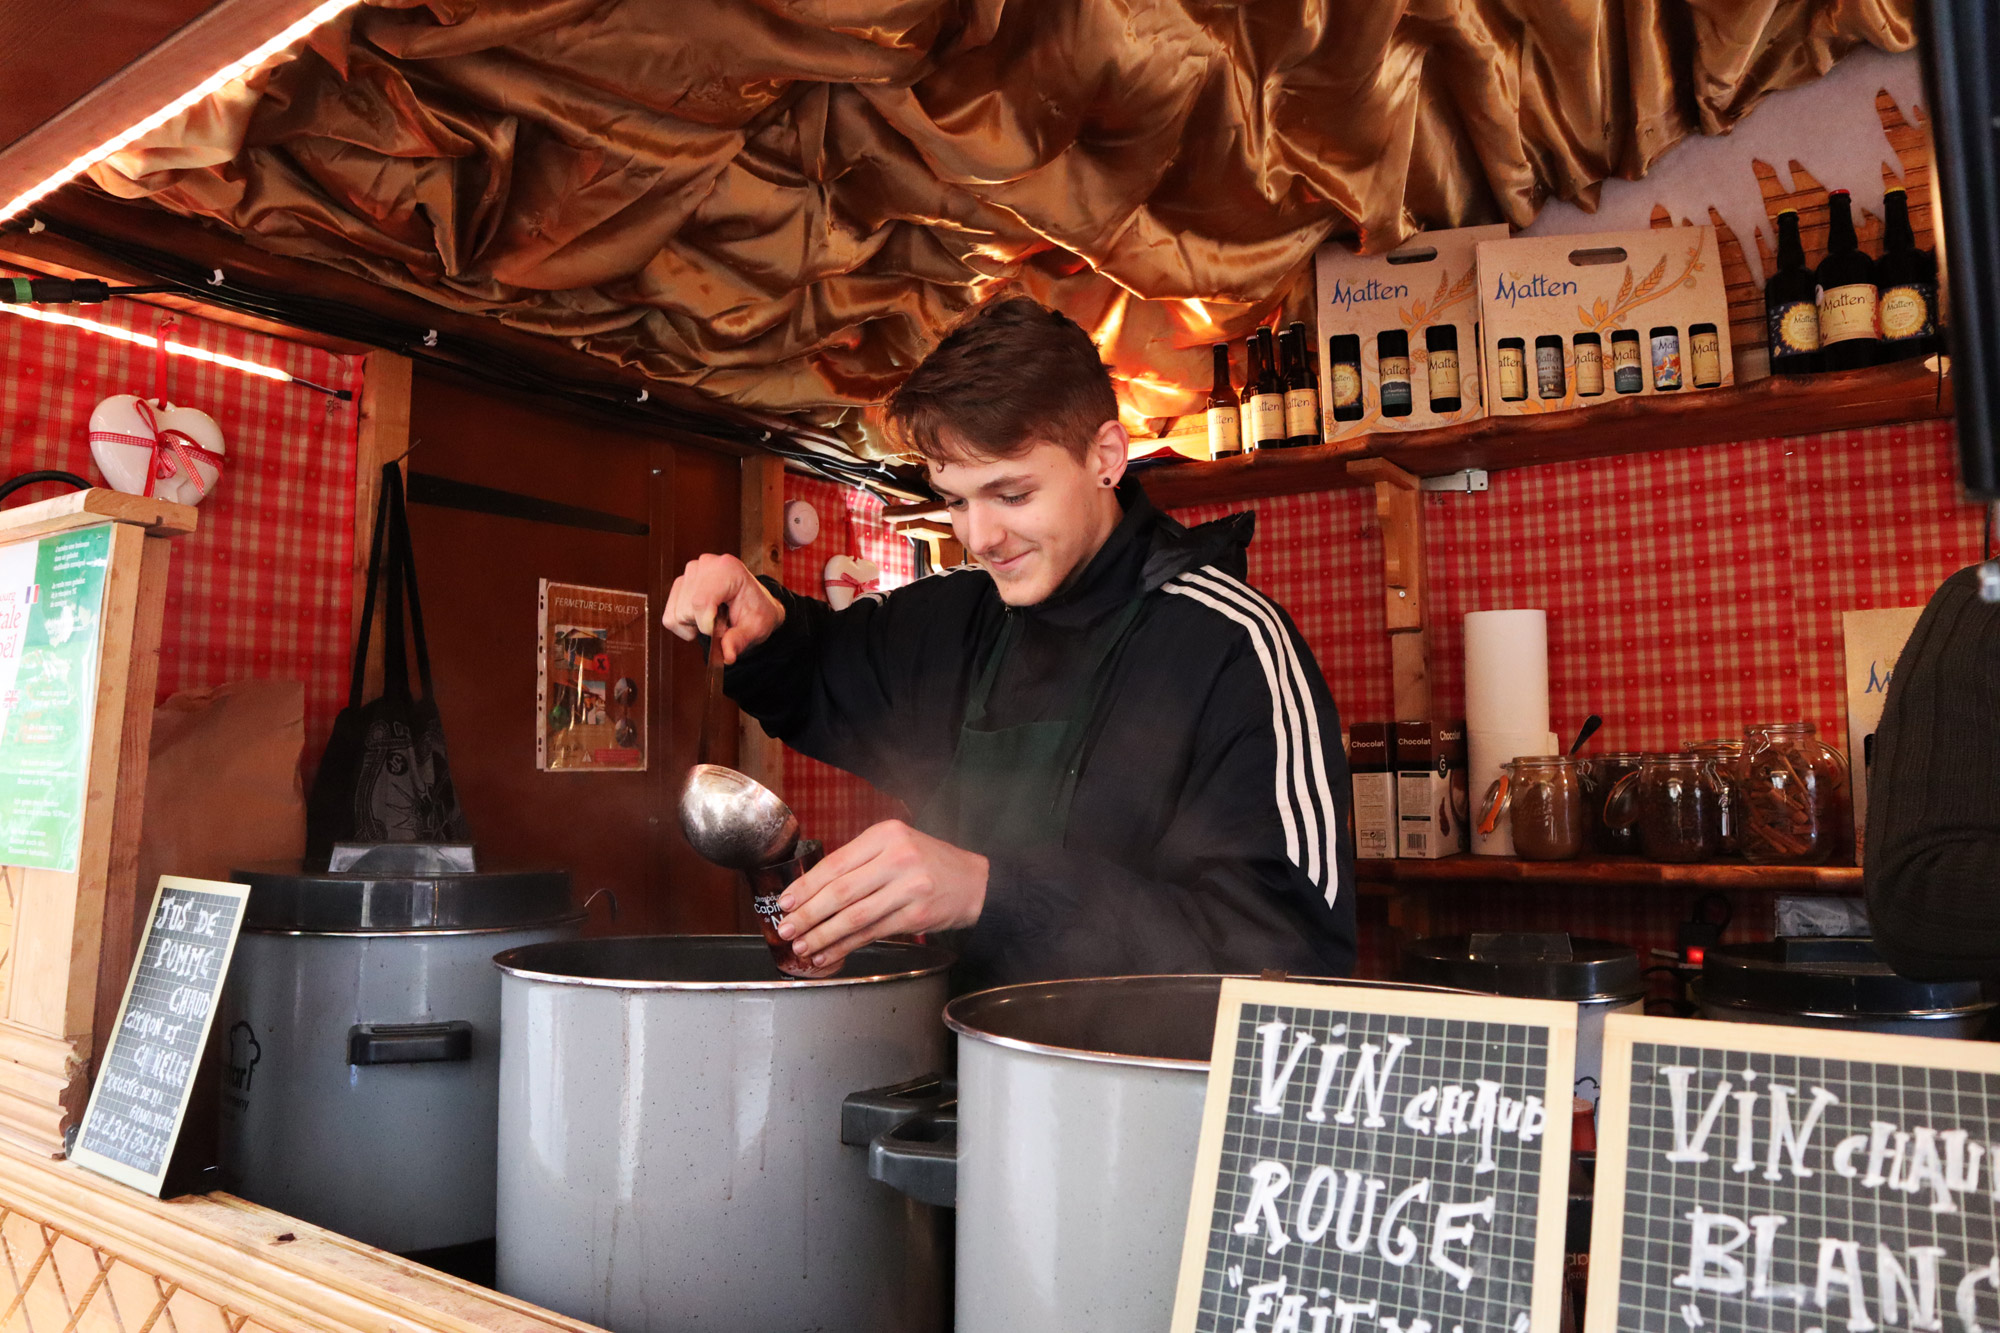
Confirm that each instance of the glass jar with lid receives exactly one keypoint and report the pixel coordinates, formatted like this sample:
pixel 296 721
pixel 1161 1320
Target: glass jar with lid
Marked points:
pixel 1541 797
pixel 1671 800
pixel 1792 785
pixel 1725 757
pixel 1599 777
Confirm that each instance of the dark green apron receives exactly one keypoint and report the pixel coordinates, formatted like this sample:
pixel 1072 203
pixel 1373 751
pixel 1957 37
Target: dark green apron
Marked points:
pixel 1010 788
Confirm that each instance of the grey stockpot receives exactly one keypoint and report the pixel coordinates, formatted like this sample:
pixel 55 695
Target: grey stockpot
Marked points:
pixel 361 1033
pixel 1078 1115
pixel 670 1155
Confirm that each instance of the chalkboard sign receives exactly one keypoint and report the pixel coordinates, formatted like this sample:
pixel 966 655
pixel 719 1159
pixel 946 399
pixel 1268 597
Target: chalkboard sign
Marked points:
pixel 148 1070
pixel 1379 1161
pixel 1794 1180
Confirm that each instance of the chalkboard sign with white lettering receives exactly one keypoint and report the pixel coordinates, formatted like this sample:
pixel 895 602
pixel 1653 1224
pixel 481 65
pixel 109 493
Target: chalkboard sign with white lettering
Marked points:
pixel 1379 1161
pixel 148 1070
pixel 1794 1180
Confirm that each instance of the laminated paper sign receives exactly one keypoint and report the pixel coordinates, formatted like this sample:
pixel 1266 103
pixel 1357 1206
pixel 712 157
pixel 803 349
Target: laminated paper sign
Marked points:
pixel 51 624
pixel 1873 640
pixel 590 707
pixel 1379 1161
pixel 1756 1179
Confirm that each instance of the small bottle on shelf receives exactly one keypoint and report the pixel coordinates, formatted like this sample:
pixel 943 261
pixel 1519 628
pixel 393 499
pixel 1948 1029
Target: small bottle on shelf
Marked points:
pixel 1343 358
pixel 1704 356
pixel 1666 341
pixel 1551 380
pixel 1846 289
pixel 1907 312
pixel 1392 366
pixel 1441 352
pixel 1513 358
pixel 1301 399
pixel 1791 314
pixel 1225 408
pixel 1266 393
pixel 1626 375
pixel 1589 365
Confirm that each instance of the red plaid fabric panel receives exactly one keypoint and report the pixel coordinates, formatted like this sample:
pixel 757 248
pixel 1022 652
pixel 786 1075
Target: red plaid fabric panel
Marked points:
pixel 263 587
pixel 834 806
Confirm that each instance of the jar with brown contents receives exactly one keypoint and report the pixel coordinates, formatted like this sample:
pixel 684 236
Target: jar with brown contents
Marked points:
pixel 1600 775
pixel 1670 799
pixel 1542 799
pixel 1792 785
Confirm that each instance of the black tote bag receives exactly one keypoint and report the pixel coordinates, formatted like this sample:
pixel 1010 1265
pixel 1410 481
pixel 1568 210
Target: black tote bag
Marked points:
pixel 384 776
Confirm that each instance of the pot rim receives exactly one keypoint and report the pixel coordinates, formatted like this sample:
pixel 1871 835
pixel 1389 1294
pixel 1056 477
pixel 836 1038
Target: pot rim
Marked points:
pixel 944 961
pixel 1699 994
pixel 418 933
pixel 963 1029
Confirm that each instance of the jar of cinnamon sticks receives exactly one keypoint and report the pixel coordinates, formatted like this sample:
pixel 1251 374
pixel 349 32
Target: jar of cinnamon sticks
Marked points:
pixel 1791 795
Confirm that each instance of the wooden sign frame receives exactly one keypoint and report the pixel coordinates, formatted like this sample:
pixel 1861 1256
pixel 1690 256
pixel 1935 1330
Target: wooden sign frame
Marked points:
pixel 119 1171
pixel 1614 1114
pixel 1558 1019
pixel 68 936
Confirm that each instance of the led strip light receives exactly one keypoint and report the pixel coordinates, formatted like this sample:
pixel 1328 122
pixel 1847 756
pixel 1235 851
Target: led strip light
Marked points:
pixel 173 348
pixel 212 84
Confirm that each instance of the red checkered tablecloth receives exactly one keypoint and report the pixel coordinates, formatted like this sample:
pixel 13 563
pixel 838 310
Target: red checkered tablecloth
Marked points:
pixel 263 588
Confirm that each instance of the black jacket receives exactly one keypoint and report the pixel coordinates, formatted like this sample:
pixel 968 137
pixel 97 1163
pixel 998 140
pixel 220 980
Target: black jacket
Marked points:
pixel 1932 865
pixel 1209 831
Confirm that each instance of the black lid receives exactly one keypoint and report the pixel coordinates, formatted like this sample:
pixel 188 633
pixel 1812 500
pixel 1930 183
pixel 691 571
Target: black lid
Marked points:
pixel 1549 340
pixel 1392 342
pixel 1807 975
pixel 1659 329
pixel 1588 337
pixel 1529 966
pixel 286 897
pixel 1625 335
pixel 1512 342
pixel 1345 346
pixel 1441 336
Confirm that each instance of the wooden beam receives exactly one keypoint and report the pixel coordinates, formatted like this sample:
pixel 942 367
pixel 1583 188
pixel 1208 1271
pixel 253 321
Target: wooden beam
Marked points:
pixel 79 509
pixel 762 547
pixel 225 33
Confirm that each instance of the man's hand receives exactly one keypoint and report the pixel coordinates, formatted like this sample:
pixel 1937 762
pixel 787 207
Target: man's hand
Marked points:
pixel 892 880
pixel 710 581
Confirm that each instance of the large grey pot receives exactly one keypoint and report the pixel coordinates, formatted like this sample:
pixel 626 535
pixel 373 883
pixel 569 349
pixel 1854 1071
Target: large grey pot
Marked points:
pixel 670 1155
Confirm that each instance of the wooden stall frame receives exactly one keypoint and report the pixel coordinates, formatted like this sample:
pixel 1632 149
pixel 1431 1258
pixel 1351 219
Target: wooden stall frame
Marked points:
pixel 72 936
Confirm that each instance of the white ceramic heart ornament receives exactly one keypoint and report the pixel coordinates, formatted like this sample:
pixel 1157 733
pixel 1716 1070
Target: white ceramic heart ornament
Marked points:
pixel 146 447
pixel 848 577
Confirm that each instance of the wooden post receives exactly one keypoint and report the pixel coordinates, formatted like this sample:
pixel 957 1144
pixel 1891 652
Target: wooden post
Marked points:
pixel 71 938
pixel 762 546
pixel 1399 505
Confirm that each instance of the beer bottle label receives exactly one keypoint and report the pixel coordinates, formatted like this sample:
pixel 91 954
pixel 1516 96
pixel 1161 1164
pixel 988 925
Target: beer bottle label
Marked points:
pixel 1395 381
pixel 1346 380
pixel 1267 417
pixel 1444 373
pixel 1301 412
pixel 1625 375
pixel 1794 328
pixel 1667 361
pixel 1225 432
pixel 1906 313
pixel 1846 313
pixel 1513 381
pixel 1589 369
pixel 1549 372
pixel 1705 352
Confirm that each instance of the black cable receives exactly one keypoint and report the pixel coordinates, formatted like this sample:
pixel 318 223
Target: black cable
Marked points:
pixel 12 484
pixel 484 362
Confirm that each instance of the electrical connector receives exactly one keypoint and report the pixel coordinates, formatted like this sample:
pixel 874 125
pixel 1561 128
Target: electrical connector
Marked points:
pixel 54 291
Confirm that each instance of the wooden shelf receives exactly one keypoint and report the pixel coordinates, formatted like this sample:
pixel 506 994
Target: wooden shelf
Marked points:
pixel 1877 396
pixel 1605 870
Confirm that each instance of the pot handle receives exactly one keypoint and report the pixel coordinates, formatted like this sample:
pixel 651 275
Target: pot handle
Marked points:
pixel 409 1043
pixel 866 1116
pixel 920 1157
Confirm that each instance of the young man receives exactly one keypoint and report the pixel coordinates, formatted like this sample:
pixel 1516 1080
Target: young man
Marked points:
pixel 1121 758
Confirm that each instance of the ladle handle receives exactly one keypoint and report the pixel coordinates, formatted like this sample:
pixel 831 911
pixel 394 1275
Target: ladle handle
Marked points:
pixel 712 711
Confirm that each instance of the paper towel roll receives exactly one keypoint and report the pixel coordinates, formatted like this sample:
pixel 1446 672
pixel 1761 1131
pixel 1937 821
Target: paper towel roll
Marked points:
pixel 1506 672
pixel 1484 753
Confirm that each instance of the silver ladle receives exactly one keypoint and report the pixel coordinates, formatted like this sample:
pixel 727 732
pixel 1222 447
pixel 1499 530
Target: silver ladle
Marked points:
pixel 734 820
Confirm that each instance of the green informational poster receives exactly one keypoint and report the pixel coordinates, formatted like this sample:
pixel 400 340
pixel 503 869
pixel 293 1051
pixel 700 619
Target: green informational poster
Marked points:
pixel 51 622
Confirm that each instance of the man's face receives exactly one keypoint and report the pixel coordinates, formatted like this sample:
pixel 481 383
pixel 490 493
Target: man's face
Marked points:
pixel 1033 520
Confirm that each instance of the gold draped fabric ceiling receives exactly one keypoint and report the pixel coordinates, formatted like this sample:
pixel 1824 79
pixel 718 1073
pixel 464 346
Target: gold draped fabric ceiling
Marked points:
pixel 784 203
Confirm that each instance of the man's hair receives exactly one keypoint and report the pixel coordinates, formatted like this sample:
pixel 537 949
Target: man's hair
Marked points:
pixel 1013 374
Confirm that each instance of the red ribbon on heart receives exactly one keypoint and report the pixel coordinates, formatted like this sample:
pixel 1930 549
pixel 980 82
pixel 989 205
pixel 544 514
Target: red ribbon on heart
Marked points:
pixel 861 589
pixel 173 451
